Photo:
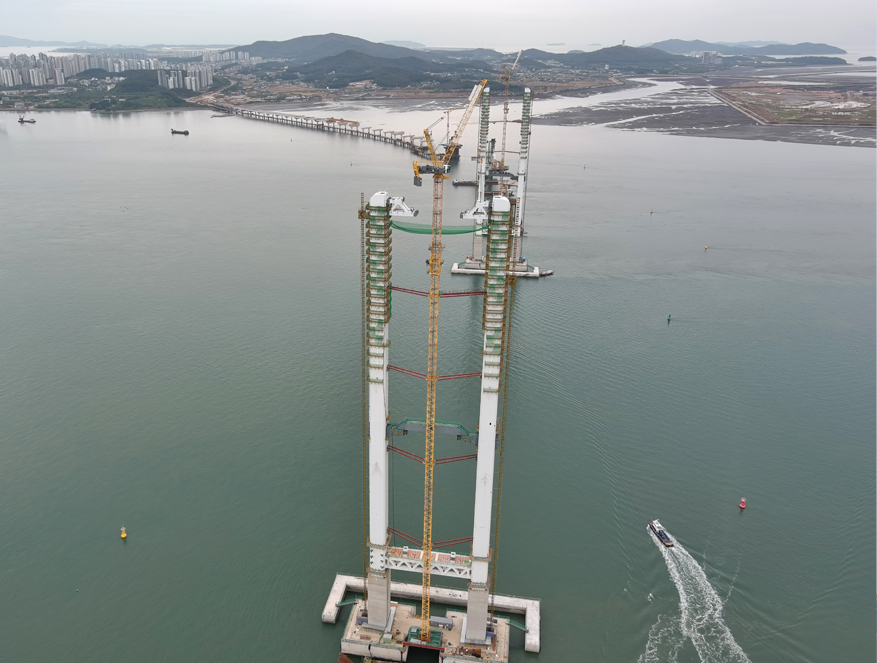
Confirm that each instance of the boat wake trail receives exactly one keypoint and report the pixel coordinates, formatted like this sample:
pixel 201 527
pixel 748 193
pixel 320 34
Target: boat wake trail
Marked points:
pixel 699 618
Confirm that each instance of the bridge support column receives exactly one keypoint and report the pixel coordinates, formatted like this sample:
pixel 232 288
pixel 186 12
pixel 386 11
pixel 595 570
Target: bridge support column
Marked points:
pixel 494 325
pixel 378 268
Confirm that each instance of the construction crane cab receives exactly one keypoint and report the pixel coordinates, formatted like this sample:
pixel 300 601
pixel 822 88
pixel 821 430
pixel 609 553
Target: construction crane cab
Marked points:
pixel 431 168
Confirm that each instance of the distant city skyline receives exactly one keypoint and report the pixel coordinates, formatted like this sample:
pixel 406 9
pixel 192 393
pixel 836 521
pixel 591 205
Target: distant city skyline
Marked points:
pixel 455 24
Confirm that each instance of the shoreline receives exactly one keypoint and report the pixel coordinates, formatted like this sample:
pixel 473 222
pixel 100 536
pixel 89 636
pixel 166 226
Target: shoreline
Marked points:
pixel 690 110
pixel 21 111
pixel 695 106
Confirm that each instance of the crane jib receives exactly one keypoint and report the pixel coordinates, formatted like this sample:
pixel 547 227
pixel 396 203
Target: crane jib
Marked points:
pixel 439 164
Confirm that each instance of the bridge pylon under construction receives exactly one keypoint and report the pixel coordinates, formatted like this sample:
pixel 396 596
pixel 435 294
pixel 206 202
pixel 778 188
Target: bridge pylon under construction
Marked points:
pixel 383 625
pixel 494 177
pixel 379 625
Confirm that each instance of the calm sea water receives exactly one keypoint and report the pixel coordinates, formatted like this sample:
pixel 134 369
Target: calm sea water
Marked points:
pixel 179 355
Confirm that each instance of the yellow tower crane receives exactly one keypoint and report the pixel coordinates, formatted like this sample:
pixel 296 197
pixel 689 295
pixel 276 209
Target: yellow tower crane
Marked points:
pixel 505 78
pixel 438 166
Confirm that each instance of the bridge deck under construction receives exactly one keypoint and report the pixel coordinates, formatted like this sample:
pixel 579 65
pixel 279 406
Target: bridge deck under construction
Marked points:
pixel 410 142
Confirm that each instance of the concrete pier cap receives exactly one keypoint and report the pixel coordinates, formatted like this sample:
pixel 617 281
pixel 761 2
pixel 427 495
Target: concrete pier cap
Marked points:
pixel 530 608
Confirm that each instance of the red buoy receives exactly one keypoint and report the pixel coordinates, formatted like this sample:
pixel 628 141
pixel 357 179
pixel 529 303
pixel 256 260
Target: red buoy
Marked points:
pixel 743 503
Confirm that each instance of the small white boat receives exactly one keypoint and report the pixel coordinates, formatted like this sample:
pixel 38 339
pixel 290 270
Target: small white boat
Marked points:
pixel 658 530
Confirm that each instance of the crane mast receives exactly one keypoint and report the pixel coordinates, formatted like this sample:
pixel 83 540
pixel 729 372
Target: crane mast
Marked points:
pixel 438 167
pixel 505 78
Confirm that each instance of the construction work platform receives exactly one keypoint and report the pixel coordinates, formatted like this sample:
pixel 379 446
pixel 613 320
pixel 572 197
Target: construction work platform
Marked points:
pixel 477 268
pixel 392 643
pixel 530 608
pixel 443 564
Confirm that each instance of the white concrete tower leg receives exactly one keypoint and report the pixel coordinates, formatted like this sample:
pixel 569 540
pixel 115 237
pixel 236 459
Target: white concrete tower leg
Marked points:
pixel 478 213
pixel 523 165
pixel 483 135
pixel 379 309
pixel 494 314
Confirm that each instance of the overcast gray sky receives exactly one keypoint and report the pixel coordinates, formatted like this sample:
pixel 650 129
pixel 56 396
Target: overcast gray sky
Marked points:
pixel 506 24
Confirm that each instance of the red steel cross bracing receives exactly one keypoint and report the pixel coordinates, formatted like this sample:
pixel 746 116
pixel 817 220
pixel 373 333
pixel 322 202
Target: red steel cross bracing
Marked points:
pixel 437 544
pixel 422 376
pixel 438 461
pixel 450 293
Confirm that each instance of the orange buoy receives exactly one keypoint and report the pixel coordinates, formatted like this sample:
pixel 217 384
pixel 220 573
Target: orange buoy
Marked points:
pixel 743 503
pixel 124 534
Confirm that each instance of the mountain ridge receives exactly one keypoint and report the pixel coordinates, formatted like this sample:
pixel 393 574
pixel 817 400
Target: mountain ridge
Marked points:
pixel 350 66
pixel 683 47
pixel 314 48
pixel 7 41
pixel 311 48
pixel 611 55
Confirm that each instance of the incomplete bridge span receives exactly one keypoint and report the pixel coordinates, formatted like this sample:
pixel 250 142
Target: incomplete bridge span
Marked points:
pixel 415 144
